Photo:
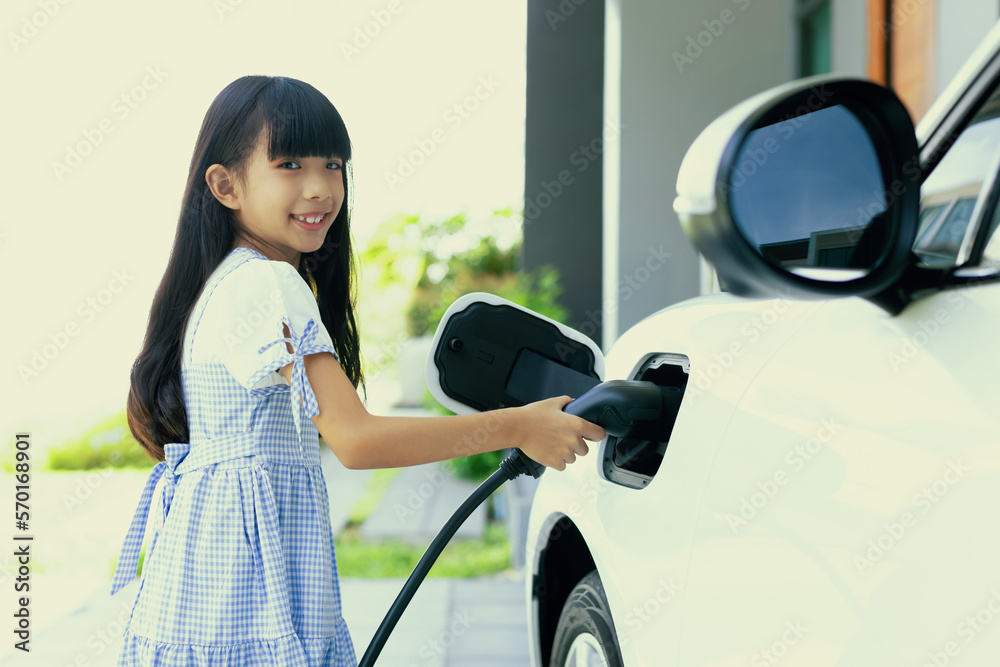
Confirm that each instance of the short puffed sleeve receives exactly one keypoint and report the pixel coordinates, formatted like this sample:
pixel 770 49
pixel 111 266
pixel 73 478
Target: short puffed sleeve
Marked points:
pixel 249 309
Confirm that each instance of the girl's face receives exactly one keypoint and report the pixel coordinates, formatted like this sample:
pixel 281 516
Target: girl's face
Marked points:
pixel 290 201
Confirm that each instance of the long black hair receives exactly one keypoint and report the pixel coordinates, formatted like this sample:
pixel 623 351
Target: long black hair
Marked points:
pixel 298 120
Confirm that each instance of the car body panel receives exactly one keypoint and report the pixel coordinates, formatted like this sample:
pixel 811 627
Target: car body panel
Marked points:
pixel 861 456
pixel 817 486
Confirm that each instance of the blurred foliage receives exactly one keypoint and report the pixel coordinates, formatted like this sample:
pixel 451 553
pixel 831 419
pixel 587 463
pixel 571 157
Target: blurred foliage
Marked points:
pixel 462 558
pixel 108 445
pixel 442 260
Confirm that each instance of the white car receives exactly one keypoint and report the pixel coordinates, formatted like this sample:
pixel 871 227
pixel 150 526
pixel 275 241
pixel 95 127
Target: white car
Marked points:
pixel 821 481
pixel 829 491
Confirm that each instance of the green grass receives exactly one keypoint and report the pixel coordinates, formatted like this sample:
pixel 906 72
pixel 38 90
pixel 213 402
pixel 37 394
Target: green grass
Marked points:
pixel 460 559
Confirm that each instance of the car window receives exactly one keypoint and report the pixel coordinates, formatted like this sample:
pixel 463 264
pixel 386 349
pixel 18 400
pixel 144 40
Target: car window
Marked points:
pixel 954 194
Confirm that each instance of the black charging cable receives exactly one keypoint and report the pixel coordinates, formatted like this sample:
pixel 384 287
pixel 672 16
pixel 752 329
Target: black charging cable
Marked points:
pixel 513 465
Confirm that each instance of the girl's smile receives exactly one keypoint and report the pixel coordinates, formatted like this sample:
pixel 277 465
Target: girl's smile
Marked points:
pixel 312 221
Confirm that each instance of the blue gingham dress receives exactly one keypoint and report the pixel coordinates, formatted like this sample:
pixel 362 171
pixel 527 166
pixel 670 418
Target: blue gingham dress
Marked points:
pixel 241 567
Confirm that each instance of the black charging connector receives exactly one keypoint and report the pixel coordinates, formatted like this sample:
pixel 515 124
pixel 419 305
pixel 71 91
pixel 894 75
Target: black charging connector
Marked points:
pixel 518 463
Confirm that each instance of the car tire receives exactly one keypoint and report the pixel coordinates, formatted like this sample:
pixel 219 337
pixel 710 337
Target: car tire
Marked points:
pixel 585 634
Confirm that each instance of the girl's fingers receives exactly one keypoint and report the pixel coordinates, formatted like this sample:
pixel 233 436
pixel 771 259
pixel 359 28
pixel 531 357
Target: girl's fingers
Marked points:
pixel 594 433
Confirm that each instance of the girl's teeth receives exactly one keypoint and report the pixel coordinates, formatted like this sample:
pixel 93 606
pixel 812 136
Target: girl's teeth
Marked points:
pixel 309 220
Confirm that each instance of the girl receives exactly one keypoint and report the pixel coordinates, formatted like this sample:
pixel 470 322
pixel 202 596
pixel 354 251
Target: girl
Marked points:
pixel 243 368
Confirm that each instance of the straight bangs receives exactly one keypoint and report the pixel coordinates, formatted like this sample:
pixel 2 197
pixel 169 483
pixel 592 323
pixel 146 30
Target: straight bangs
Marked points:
pixel 301 122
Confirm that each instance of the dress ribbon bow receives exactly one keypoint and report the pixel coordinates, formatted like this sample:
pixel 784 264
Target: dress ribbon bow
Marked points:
pixel 128 560
pixel 300 388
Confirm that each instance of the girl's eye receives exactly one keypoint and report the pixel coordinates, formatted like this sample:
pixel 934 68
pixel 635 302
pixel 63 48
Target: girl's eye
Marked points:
pixel 335 165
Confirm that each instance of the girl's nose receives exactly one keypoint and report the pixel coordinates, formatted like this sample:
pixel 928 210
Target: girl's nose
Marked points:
pixel 317 186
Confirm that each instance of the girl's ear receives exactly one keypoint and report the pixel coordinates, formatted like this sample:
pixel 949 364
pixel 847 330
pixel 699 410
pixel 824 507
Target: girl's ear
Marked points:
pixel 222 184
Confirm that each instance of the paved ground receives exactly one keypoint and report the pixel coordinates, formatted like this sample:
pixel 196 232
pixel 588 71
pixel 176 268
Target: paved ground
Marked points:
pixel 418 502
pixel 450 622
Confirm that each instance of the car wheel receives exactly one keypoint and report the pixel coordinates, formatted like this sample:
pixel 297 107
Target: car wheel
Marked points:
pixel 585 635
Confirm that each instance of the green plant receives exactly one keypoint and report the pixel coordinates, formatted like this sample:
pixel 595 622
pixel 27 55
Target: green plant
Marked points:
pixel 109 444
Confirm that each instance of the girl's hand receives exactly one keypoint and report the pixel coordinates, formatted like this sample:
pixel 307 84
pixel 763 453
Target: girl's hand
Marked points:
pixel 552 437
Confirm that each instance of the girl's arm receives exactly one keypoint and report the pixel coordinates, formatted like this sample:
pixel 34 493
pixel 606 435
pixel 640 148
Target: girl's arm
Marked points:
pixel 362 440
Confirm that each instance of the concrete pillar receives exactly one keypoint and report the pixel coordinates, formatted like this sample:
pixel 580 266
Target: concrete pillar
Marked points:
pixel 563 162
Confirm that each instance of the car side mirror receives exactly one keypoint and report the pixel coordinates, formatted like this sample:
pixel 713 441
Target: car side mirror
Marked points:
pixel 808 190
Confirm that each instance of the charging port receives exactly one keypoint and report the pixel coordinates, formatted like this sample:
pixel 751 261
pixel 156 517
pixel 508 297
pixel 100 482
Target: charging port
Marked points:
pixel 633 460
